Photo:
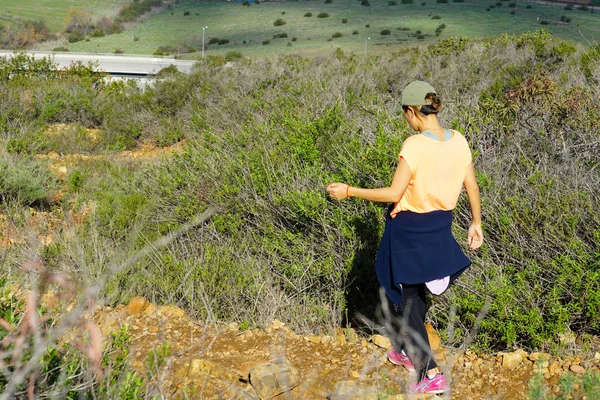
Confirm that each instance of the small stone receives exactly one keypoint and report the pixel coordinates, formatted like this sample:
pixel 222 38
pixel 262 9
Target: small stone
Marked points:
pixel 578 369
pixel 313 339
pixel 514 359
pixel 326 339
pixel 273 378
pixel 137 305
pixel 381 341
pixel 170 312
pixel 554 368
pixel 597 356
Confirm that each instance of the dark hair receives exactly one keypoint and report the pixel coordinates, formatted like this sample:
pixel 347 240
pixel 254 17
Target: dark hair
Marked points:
pixel 433 108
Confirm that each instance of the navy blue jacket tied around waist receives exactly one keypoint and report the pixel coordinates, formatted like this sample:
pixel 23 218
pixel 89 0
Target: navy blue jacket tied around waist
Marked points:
pixel 417 248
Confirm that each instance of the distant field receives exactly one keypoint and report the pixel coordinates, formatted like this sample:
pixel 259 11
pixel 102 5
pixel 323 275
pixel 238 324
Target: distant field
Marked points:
pixel 53 12
pixel 254 25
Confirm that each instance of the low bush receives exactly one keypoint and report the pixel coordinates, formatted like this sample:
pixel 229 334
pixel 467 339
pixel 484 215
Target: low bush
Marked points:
pixel 392 3
pixel 24 182
pixel 279 22
pixel 407 1
pixel 344 20
pixel 323 15
pixel 233 55
pixel 308 14
pixel 365 3
pixel 265 42
pixel 223 41
pixel 386 32
pixel 337 35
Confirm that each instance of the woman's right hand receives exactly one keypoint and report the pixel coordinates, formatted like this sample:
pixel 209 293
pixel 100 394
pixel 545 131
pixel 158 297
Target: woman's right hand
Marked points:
pixel 475 236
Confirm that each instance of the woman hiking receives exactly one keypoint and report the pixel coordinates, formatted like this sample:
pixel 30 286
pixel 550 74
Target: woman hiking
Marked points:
pixel 418 253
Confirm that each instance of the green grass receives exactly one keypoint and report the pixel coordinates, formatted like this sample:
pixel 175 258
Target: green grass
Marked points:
pixel 53 12
pixel 254 24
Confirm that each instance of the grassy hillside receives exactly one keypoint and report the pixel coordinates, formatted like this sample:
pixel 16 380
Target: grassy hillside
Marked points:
pixel 255 24
pixel 53 12
pixel 262 140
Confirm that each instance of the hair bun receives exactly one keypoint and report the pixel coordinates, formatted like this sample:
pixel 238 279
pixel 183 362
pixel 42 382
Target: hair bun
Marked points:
pixel 434 101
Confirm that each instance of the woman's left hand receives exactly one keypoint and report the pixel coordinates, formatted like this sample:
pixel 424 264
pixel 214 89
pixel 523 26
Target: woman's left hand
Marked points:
pixel 337 191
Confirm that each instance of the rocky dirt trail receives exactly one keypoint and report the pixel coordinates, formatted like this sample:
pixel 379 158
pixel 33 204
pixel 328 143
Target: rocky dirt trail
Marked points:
pixel 224 362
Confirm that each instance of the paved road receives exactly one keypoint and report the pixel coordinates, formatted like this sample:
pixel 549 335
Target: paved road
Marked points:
pixel 115 64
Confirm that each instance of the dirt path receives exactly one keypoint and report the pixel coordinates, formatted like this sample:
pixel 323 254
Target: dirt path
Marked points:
pixel 217 361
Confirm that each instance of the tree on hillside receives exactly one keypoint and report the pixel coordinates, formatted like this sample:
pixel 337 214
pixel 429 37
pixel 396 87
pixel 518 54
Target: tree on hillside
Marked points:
pixel 78 20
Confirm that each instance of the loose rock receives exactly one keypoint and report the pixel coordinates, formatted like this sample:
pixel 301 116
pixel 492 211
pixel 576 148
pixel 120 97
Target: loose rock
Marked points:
pixel 381 341
pixel 273 378
pixel 137 305
pixel 514 359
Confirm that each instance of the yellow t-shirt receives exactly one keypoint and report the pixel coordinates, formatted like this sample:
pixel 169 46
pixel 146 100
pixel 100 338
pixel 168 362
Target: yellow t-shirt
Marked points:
pixel 438 172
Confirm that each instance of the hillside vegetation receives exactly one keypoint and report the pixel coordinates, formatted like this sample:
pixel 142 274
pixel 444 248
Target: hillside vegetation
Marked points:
pixel 261 141
pixel 313 27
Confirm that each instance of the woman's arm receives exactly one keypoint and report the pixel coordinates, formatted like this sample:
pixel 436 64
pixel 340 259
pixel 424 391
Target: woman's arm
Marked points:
pixel 475 234
pixel 391 194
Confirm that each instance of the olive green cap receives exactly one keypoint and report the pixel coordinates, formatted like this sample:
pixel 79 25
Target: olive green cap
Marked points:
pixel 414 94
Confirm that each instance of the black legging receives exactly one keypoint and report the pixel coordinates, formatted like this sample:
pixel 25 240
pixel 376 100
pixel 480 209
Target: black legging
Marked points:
pixel 413 335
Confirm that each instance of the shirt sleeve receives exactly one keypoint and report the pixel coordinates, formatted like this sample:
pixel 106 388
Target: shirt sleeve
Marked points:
pixel 409 153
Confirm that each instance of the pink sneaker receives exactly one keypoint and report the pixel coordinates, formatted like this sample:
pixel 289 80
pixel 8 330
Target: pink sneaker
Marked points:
pixel 397 358
pixel 435 386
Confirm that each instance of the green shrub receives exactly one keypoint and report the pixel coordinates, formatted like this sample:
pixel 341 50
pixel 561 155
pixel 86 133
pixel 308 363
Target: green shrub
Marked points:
pixel 337 35
pixel 279 22
pixel 233 55
pixel 223 41
pixel 365 3
pixel 24 182
pixel 344 20
pixel 76 36
pixel 265 42
pixel 355 32
pixel 386 32
pixel 436 17
pixel 407 1
pixel 323 15
pixel 392 3
pixel 308 14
